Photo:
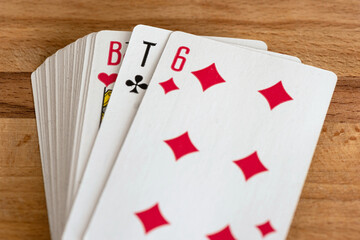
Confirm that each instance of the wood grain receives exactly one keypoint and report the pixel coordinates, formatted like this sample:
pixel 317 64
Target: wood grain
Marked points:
pixel 321 33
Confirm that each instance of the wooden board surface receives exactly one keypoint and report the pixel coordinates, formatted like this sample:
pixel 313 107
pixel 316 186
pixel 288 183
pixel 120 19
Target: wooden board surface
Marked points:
pixel 325 34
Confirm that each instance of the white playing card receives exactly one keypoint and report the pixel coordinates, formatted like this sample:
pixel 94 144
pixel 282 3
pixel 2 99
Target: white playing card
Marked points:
pixel 146 44
pixel 74 82
pixel 52 103
pixel 79 108
pixel 62 87
pixel 36 82
pixel 50 115
pixel 109 49
pixel 220 146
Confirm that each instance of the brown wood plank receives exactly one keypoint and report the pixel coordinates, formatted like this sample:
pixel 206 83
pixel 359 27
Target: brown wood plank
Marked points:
pixel 23 213
pixel 321 33
pixel 16 100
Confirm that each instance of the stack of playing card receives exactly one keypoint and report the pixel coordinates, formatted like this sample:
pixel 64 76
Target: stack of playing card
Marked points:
pixel 217 148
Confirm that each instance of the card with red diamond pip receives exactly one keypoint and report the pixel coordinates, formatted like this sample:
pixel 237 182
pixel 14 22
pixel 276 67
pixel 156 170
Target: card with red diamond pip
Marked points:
pixel 144 50
pixel 142 55
pixel 72 89
pixel 202 137
pixel 219 147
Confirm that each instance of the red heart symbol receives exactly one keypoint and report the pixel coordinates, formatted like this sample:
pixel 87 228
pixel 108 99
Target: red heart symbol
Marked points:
pixel 106 79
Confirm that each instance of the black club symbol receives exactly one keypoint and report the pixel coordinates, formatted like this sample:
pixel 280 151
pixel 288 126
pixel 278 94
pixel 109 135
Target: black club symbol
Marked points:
pixel 138 79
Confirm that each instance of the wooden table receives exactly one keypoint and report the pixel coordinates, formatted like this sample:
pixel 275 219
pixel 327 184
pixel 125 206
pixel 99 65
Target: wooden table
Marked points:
pixel 325 34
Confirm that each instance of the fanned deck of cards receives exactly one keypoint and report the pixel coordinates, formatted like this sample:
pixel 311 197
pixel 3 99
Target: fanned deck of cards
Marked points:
pixel 202 137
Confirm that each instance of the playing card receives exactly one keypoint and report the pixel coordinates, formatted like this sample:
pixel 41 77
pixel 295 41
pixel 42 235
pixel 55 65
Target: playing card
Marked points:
pixel 48 85
pixel 78 108
pixel 64 68
pixel 146 46
pixel 219 148
pixel 108 53
pixel 36 82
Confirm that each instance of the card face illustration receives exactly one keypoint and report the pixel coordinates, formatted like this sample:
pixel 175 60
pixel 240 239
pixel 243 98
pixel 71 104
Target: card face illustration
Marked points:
pixel 219 148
